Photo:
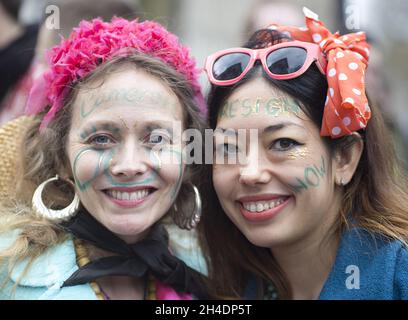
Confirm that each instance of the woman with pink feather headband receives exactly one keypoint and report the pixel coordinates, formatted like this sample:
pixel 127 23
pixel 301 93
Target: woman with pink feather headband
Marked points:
pixel 313 204
pixel 103 168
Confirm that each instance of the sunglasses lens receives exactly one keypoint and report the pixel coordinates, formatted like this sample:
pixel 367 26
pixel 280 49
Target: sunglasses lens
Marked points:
pixel 230 66
pixel 286 60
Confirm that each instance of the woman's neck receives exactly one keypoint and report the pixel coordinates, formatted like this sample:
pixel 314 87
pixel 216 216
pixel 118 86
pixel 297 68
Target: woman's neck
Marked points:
pixel 307 265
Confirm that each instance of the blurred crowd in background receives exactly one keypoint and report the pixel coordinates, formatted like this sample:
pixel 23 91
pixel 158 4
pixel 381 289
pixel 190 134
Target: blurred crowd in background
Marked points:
pixel 29 27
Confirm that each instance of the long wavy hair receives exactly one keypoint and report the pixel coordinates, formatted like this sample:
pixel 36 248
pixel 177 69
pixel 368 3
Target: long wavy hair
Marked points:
pixel 43 156
pixel 376 197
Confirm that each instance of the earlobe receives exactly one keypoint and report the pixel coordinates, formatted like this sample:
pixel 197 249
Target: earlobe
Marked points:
pixel 340 182
pixel 347 158
pixel 65 172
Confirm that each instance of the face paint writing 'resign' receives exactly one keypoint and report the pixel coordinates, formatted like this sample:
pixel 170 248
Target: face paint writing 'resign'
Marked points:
pixel 268 107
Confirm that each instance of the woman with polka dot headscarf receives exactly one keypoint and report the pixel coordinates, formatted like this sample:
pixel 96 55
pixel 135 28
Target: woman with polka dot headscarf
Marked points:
pixel 307 200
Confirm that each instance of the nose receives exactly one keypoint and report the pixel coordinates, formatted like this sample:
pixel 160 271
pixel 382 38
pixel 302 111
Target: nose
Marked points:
pixel 130 161
pixel 255 171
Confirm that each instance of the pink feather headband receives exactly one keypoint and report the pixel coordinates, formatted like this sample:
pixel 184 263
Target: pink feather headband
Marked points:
pixel 94 42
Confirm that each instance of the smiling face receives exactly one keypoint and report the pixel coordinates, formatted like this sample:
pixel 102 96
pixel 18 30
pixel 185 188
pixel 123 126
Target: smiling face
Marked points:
pixel 124 153
pixel 284 193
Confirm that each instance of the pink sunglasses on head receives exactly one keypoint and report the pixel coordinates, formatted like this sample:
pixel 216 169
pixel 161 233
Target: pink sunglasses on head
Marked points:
pixel 285 60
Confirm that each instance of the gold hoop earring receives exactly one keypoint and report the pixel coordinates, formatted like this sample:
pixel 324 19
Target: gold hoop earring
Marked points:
pixel 191 221
pixel 54 215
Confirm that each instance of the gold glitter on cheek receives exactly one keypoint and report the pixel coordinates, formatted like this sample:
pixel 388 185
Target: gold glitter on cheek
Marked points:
pixel 298 153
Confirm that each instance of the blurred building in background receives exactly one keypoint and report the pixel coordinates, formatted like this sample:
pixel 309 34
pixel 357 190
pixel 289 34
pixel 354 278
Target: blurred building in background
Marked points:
pixel 30 28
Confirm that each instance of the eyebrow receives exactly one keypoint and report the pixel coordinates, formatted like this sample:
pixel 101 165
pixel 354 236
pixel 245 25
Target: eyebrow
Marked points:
pixel 99 125
pixel 280 126
pixel 154 126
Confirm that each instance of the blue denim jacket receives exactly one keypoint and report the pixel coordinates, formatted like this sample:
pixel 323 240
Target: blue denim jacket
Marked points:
pixel 367 267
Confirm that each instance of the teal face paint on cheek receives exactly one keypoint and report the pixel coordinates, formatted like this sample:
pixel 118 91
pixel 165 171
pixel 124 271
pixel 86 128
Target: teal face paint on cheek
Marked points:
pixel 312 176
pixel 154 158
pixel 180 177
pixel 83 185
pixel 170 155
pixel 300 185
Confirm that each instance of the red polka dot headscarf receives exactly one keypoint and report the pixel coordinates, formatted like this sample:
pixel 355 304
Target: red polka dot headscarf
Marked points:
pixel 346 107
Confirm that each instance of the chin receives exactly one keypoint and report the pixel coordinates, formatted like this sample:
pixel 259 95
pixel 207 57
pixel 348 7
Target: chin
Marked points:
pixel 128 227
pixel 266 238
pixel 259 241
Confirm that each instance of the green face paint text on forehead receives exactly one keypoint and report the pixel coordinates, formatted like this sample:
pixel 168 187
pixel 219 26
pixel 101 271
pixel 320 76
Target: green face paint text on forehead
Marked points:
pixel 133 96
pixel 268 107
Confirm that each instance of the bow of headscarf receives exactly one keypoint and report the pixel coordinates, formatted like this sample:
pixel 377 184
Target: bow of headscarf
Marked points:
pixel 346 107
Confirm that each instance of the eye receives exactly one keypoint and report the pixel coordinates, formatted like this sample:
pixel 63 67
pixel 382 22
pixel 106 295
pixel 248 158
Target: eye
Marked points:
pixel 101 140
pixel 158 137
pixel 284 144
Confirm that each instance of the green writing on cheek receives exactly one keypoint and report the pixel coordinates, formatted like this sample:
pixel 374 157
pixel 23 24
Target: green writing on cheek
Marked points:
pixel 103 157
pixel 176 188
pixel 269 107
pixel 312 176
